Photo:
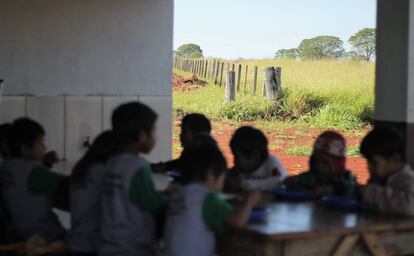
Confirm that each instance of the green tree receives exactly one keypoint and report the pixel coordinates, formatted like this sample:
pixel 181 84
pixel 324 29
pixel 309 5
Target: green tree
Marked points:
pixel 189 51
pixel 321 47
pixel 363 43
pixel 287 54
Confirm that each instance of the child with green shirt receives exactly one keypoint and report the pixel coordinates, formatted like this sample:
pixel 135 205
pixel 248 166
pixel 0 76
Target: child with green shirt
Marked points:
pixel 129 198
pixel 27 185
pixel 327 174
pixel 195 212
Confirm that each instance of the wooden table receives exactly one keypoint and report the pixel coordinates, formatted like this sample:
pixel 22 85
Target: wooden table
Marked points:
pixel 310 228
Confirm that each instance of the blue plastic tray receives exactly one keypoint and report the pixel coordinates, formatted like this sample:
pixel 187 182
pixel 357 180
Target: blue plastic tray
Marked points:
pixel 257 214
pixel 343 203
pixel 293 195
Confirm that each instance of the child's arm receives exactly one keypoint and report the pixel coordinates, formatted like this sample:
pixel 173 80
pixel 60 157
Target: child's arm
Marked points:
pixel 43 180
pixel 142 191
pixel 388 199
pixel 241 215
pixel 217 212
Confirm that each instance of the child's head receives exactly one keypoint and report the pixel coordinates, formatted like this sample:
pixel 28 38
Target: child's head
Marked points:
pixel 134 124
pixel 249 147
pixel 192 125
pixel 26 140
pixel 328 155
pixel 100 150
pixel 384 149
pixel 204 163
pixel 5 130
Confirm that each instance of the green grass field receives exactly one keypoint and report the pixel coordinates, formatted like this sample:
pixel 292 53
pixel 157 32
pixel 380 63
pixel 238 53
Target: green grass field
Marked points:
pixel 323 94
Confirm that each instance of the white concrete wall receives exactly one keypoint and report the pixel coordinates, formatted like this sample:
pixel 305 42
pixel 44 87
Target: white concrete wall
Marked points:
pixel 395 61
pixel 69 63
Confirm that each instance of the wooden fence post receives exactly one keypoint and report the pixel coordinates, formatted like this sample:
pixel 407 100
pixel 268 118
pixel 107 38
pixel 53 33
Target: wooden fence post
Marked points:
pixel 254 80
pixel 221 73
pixel 228 67
pixel 232 67
pixel 239 77
pixel 205 69
pixel 212 71
pixel 230 91
pixel 217 73
pixel 245 79
pixel 271 86
pixel 278 72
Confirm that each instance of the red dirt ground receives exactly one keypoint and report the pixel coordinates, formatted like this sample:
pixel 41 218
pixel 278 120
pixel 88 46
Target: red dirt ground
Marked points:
pixel 280 142
pixel 186 84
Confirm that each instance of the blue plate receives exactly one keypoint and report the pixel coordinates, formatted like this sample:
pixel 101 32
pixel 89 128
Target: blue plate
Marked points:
pixel 257 214
pixel 293 195
pixel 173 174
pixel 342 203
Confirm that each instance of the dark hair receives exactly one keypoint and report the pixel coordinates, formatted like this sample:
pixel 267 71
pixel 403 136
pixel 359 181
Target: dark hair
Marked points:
pixel 129 119
pixel 24 132
pixel 248 140
pixel 5 130
pixel 196 123
pixel 198 160
pixel 384 142
pixel 99 152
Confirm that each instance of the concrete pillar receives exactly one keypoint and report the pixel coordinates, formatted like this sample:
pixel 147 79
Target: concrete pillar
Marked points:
pixel 395 68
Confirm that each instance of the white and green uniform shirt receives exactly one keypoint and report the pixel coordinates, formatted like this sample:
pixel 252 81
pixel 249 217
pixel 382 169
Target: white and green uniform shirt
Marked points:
pixel 85 204
pixel 269 176
pixel 27 187
pixel 195 213
pixel 128 202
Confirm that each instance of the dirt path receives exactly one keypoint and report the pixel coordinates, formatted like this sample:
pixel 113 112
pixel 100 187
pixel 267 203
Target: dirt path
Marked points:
pixel 280 142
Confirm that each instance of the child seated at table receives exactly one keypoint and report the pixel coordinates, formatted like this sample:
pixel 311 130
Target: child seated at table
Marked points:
pixel 28 186
pixel 391 186
pixel 327 173
pixel 129 201
pixel 253 167
pixel 191 126
pixel 195 211
pixel 85 197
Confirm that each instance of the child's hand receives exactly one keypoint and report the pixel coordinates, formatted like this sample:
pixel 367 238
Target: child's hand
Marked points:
pixel 50 159
pixel 254 198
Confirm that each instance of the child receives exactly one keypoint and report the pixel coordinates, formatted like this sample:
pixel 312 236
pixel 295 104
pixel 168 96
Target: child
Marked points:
pixel 129 199
pixel 253 166
pixel 391 186
pixel 27 185
pixel 327 174
pixel 191 125
pixel 85 193
pixel 195 211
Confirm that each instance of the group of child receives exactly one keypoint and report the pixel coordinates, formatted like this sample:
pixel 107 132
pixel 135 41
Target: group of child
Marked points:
pixel 116 210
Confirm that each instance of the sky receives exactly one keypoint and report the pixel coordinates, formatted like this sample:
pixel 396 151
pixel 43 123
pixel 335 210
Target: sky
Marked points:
pixel 235 29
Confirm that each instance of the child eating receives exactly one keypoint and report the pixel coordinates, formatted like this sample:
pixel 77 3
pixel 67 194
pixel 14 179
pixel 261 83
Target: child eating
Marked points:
pixel 195 211
pixel 28 186
pixel 391 186
pixel 253 167
pixel 327 174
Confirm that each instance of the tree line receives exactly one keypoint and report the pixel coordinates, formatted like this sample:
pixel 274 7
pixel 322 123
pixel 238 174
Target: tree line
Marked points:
pixel 331 47
pixel 320 47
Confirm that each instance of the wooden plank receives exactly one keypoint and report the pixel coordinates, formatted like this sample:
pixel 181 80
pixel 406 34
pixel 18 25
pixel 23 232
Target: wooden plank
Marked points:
pixel 318 246
pixel 346 245
pixel 212 71
pixel 217 73
pixel 245 79
pixel 254 81
pixel 221 73
pixel 372 242
pixel 230 90
pixel 239 77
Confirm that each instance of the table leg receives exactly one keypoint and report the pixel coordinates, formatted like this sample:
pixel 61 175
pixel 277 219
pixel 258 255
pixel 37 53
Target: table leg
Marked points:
pixel 346 245
pixel 372 242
